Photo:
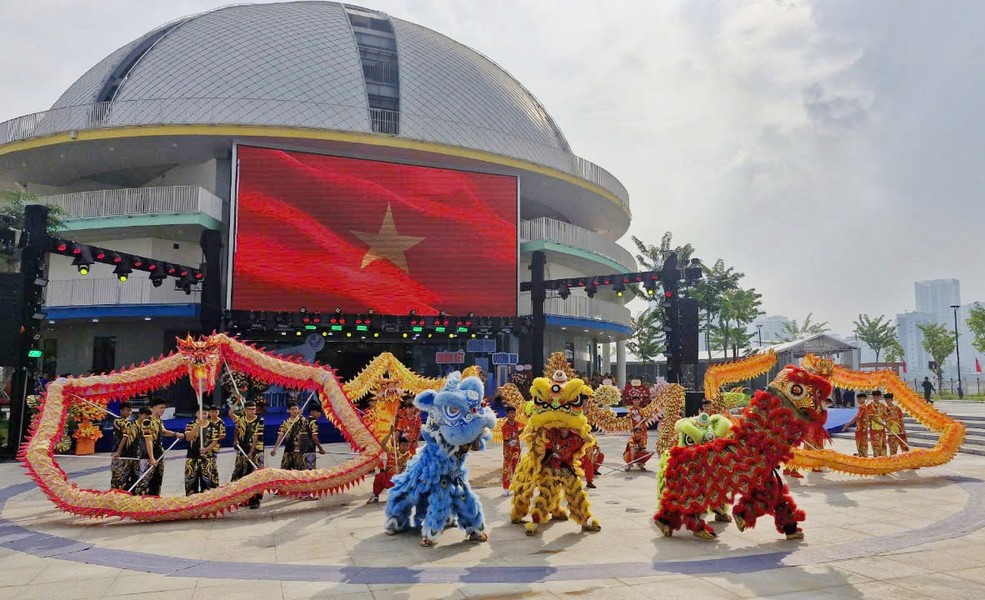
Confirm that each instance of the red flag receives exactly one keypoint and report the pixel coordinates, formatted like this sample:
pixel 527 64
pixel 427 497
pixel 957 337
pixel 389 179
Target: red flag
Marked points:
pixel 904 366
pixel 325 232
pixel 978 365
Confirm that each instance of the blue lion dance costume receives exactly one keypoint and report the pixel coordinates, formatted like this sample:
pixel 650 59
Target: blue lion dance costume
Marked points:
pixel 435 486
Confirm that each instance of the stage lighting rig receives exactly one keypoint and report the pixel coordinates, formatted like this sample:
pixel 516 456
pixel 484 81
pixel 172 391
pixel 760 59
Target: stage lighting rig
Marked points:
pixel 619 287
pixel 123 270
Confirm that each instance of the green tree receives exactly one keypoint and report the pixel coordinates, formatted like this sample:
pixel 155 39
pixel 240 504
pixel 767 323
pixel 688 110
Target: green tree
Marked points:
pixel 648 336
pixel 12 217
pixel 739 308
pixel 12 205
pixel 797 331
pixel 894 351
pixel 877 333
pixel 976 322
pixel 939 343
pixel 651 258
pixel 709 291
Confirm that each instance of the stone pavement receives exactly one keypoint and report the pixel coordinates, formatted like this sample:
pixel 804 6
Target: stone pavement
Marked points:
pixel 911 535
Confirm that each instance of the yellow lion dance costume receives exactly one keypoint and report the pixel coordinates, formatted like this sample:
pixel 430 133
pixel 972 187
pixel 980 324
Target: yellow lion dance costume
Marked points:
pixel 557 436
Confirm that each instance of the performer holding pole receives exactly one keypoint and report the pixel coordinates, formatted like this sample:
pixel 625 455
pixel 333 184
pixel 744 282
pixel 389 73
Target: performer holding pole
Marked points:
pixel 152 451
pixel 219 435
pixel 288 435
pixel 125 466
pixel 877 425
pixel 511 447
pixel 248 441
pixel 199 467
pixel 861 423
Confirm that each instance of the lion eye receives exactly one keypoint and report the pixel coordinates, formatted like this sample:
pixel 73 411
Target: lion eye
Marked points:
pixel 577 401
pixel 452 410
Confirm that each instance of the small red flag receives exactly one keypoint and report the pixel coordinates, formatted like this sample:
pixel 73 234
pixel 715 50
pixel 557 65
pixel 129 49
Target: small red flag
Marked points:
pixel 904 366
pixel 978 365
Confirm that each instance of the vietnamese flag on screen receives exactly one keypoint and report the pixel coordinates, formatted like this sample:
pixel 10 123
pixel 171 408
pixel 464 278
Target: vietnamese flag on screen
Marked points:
pixel 324 232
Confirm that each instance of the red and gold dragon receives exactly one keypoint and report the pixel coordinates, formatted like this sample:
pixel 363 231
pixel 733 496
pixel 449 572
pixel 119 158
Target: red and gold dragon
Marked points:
pixel 200 360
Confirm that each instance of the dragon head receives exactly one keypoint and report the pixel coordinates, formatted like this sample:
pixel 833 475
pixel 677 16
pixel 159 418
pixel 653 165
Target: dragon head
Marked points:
pixel 557 399
pixel 203 359
pixel 456 410
pixel 804 388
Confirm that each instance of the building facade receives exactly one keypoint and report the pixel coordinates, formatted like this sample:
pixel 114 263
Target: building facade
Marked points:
pixel 139 153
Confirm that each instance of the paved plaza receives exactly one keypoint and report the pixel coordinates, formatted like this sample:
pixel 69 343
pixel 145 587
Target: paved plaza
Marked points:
pixel 910 535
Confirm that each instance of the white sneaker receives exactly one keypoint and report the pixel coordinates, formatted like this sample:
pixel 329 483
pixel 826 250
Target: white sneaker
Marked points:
pixel 506 493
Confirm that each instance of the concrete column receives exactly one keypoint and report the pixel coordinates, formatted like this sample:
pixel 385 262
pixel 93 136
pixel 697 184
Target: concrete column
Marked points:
pixel 621 363
pixel 606 357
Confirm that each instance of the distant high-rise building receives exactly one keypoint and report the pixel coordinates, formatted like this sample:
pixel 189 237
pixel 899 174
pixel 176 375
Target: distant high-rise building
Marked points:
pixel 936 297
pixel 911 339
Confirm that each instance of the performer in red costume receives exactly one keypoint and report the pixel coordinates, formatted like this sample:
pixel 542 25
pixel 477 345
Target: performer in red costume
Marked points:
pixel 590 463
pixel 409 421
pixel 396 462
pixel 636 453
pixel 561 449
pixel 511 447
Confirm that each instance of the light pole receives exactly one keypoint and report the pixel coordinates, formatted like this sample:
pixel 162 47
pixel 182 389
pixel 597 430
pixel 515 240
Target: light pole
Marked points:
pixel 759 329
pixel 957 349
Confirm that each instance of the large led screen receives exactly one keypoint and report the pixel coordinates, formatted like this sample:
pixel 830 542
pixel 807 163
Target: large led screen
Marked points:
pixel 324 232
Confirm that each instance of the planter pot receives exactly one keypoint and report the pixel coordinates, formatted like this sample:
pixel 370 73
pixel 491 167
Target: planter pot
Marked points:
pixel 85 446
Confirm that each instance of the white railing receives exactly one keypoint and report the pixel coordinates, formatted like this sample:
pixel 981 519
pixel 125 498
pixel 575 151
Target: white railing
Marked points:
pixel 553 230
pixel 317 115
pixel 166 200
pixel 99 291
pixel 385 121
pixel 581 307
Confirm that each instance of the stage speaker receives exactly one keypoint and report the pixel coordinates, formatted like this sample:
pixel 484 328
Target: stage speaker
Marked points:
pixel 211 311
pixel 692 403
pixel 688 315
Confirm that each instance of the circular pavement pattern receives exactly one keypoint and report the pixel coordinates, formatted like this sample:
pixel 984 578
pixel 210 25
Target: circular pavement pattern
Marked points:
pixel 122 544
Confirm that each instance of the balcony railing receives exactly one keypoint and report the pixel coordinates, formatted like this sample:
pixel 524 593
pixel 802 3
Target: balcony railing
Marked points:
pixel 580 307
pixel 553 230
pixel 103 291
pixel 317 115
pixel 166 200
pixel 385 121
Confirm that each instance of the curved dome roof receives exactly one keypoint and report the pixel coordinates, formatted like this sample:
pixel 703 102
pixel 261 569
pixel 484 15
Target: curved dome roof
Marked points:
pixel 298 64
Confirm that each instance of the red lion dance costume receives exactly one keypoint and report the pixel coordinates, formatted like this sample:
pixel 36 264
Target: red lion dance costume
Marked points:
pixel 700 478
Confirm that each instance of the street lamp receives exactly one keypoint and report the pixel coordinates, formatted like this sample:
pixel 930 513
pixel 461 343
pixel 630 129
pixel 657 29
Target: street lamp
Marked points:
pixel 759 329
pixel 957 349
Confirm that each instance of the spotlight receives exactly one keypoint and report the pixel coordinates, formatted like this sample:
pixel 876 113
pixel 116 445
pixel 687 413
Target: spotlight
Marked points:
pixel 122 270
pixel 619 287
pixel 650 286
pixel 564 291
pixel 156 277
pixel 83 258
pixel 591 287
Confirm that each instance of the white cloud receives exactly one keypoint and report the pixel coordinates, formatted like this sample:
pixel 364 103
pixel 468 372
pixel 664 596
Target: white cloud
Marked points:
pixel 831 151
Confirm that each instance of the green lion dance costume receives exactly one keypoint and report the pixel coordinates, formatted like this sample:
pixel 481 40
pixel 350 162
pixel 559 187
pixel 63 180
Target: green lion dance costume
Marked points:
pixel 692 431
pixel 557 435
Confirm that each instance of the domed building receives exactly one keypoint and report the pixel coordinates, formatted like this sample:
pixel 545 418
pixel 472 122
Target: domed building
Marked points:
pixel 142 151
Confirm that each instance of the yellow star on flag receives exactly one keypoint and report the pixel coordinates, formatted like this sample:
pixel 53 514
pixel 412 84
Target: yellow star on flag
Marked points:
pixel 387 244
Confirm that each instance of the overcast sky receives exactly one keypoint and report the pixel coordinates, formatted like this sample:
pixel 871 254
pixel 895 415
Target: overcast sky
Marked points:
pixel 832 151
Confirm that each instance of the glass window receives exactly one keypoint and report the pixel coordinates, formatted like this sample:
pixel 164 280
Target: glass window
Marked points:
pixel 103 354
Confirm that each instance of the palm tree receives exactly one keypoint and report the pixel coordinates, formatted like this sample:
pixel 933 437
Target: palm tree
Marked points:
pixel 797 331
